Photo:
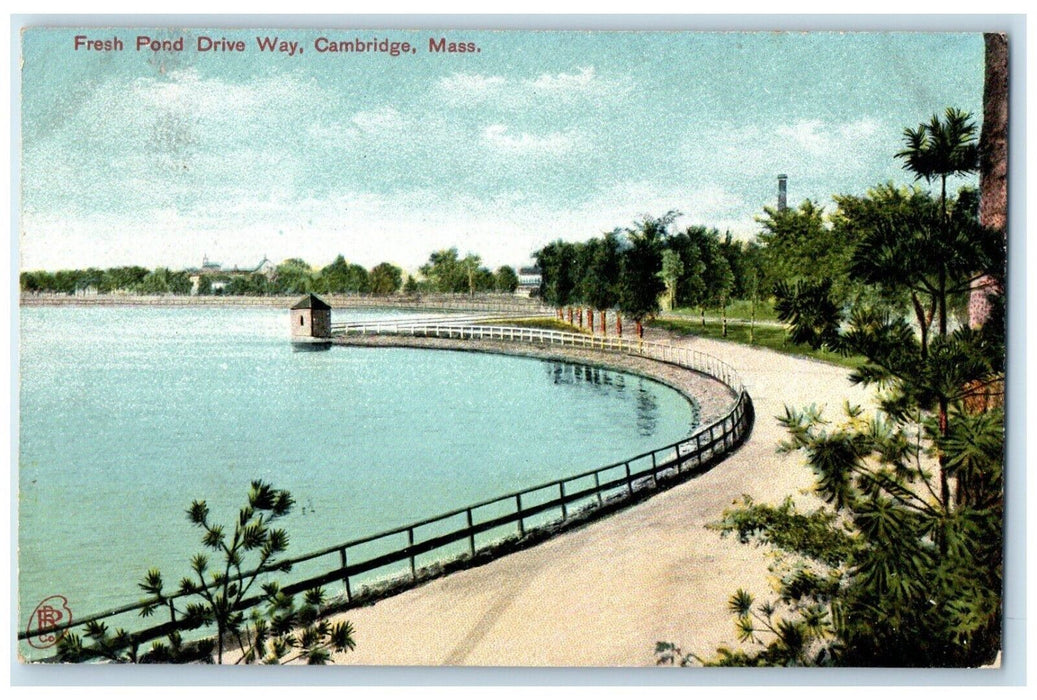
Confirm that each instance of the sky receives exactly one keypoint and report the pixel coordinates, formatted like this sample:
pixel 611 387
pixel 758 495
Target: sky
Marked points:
pixel 160 158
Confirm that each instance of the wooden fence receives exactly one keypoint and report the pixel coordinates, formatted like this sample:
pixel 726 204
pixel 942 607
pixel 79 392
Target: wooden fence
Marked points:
pixel 405 555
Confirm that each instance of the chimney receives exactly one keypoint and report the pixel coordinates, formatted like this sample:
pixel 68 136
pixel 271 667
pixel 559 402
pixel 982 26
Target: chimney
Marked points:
pixel 783 181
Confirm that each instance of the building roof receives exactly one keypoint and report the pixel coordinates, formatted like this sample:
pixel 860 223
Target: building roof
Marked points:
pixel 311 301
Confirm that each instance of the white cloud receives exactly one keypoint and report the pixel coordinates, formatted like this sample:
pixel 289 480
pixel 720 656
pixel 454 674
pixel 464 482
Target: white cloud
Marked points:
pixel 543 90
pixel 377 122
pixel 497 138
pixel 860 129
pixel 580 81
pixel 818 138
pixel 584 82
pixel 802 149
pixel 332 134
pixel 806 135
pixel 206 98
pixel 381 120
pixel 470 85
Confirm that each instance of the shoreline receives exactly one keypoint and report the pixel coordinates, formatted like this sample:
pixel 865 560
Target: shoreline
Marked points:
pixel 490 302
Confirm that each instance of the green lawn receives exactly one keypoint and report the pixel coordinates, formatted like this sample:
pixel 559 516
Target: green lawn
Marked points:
pixel 551 324
pixel 765 337
pixel 739 308
pixel 771 337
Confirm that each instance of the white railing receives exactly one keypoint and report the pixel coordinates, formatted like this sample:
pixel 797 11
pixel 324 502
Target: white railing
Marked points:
pixel 662 352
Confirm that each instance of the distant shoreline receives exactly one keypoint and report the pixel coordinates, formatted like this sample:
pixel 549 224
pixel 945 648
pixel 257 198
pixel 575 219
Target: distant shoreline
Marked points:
pixel 460 302
pixel 145 300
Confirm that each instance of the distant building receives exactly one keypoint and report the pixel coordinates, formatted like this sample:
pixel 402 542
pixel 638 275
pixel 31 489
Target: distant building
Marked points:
pixel 211 268
pixel 311 318
pixel 529 279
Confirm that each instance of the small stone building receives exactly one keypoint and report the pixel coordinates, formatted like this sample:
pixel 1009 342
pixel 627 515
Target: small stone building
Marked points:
pixel 311 318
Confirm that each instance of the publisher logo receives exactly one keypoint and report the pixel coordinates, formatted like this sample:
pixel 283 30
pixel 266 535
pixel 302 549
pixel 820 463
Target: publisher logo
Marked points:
pixel 51 611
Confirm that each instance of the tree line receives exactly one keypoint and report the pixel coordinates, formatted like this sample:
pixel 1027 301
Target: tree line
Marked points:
pixel 813 266
pixel 445 272
pixel 631 269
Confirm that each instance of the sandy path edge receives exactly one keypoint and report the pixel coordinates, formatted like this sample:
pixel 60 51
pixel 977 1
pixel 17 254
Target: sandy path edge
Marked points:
pixel 602 595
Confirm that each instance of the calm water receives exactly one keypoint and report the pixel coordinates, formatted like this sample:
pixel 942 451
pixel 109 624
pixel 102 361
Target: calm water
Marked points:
pixel 127 415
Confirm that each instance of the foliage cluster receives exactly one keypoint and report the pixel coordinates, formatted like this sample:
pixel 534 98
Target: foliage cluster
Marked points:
pixel 264 627
pixel 134 279
pixel 902 566
pixel 446 273
pixel 630 269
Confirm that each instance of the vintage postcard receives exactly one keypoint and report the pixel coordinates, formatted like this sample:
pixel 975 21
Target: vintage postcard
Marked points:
pixel 405 347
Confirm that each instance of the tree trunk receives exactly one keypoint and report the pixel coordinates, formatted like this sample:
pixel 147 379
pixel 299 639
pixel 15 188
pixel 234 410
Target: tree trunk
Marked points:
pixel 923 323
pixel 752 321
pixel 702 310
pixel 942 300
pixel 723 319
pixel 640 330
pixel 590 320
pixel 993 139
pixel 945 488
pixel 579 316
pixel 993 163
pixel 604 329
pixel 619 324
pixel 570 315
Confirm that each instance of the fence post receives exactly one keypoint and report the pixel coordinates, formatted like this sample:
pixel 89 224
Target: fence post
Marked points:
pixel 410 543
pixel 630 484
pixel 597 488
pixel 471 533
pixel 561 491
pixel 698 449
pixel 172 611
pixel 345 576
pixel 655 474
pixel 522 525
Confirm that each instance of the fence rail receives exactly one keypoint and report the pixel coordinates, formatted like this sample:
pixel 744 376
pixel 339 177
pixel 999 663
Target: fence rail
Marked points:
pixel 513 516
pixel 662 352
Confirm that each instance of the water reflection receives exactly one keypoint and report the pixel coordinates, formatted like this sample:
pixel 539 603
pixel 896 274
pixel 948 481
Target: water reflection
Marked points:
pixel 601 381
pixel 311 346
pixel 608 383
pixel 647 411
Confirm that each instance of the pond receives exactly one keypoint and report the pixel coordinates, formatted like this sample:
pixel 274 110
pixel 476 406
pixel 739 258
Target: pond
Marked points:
pixel 127 414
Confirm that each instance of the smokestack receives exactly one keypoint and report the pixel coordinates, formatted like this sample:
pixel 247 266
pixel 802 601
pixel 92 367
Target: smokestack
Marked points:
pixel 783 181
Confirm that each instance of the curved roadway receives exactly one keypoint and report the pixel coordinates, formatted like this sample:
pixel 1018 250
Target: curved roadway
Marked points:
pixel 603 595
